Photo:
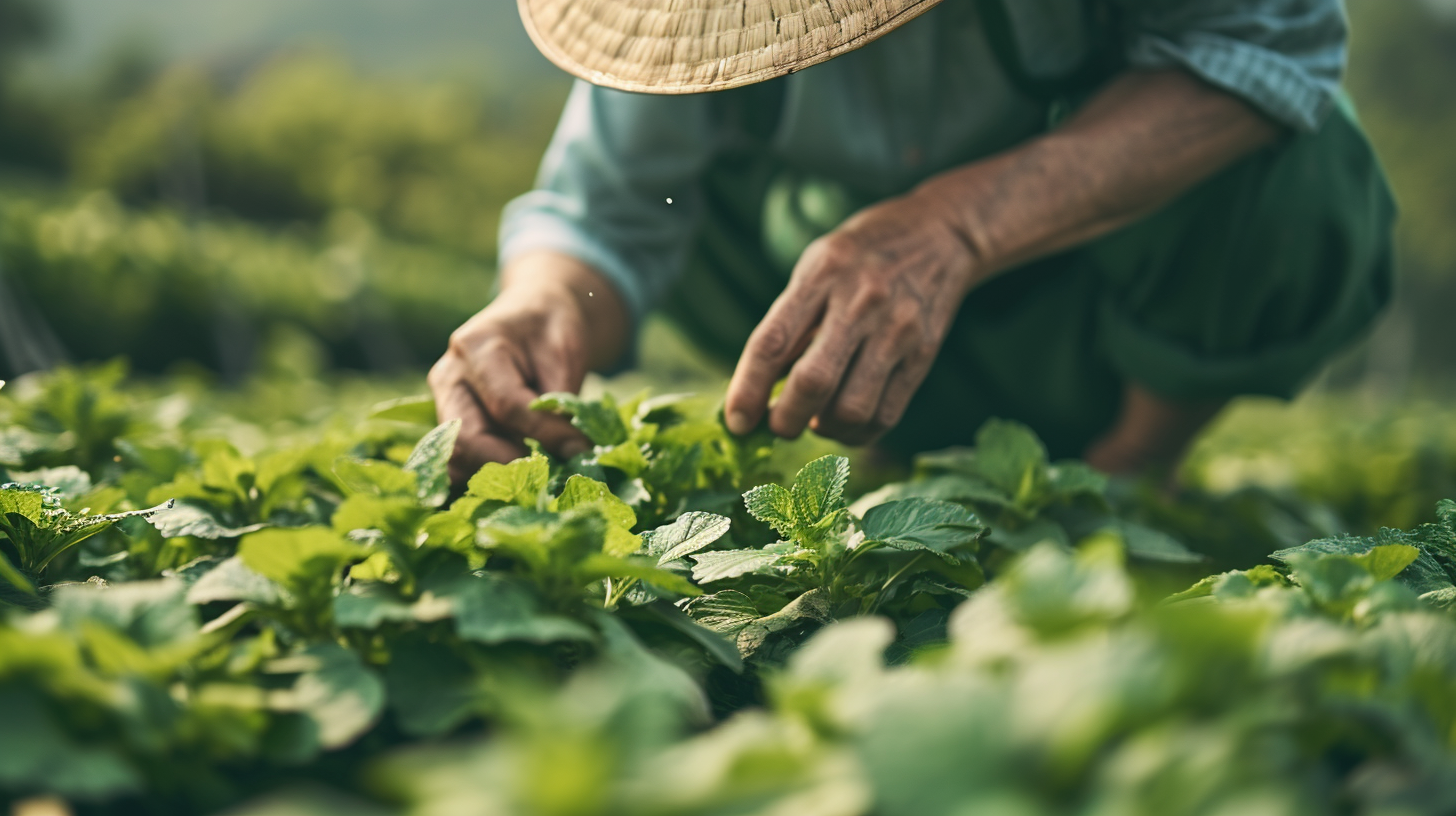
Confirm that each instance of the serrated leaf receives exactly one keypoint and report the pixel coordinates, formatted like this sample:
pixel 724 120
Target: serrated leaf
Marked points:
pixel 599 420
pixel 430 462
pixel 28 502
pixel 690 533
pixel 819 489
pixel 188 519
pixel 520 482
pixel 726 612
pixel 921 524
pixel 725 564
pixel 774 506
pixel 812 605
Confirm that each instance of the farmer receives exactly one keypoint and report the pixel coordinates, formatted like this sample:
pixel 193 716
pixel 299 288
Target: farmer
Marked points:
pixel 1103 218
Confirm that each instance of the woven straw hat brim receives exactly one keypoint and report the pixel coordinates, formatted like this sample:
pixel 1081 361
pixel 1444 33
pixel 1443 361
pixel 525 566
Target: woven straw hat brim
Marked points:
pixel 692 46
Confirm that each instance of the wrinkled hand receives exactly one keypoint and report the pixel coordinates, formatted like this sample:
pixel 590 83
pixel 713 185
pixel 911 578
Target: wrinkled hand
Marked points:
pixel 858 326
pixel 539 335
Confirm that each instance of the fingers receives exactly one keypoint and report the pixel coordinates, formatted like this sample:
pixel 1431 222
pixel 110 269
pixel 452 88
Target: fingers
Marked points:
pixel 499 380
pixel 476 445
pixel 780 337
pixel 814 380
pixel 853 416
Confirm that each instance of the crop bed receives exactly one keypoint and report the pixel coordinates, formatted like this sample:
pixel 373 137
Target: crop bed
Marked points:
pixel 205 611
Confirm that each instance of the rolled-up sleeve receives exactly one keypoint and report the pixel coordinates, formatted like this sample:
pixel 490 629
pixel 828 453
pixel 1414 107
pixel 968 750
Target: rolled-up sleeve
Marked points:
pixel 618 189
pixel 1285 57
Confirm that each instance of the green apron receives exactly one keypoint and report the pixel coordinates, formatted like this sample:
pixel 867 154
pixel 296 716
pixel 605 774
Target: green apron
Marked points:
pixel 1245 285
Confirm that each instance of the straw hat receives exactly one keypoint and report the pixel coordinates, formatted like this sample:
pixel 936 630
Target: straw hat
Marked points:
pixel 688 46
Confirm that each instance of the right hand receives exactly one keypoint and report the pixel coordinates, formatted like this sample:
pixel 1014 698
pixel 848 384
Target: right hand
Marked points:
pixel 553 319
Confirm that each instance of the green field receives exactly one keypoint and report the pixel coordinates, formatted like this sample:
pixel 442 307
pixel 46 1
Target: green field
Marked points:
pixel 272 599
pixel 234 578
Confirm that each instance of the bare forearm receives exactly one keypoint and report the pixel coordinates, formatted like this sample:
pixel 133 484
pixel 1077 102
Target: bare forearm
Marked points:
pixel 555 274
pixel 1140 143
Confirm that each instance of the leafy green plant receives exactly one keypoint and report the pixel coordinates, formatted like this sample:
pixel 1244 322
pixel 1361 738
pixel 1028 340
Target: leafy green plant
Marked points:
pixel 1024 499
pixel 909 556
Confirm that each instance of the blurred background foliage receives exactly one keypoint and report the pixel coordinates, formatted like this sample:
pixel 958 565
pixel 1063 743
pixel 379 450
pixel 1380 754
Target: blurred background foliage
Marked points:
pixel 181 179
pixel 217 188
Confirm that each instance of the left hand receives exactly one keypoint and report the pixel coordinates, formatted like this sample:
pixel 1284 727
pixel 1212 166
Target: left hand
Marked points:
pixel 858 326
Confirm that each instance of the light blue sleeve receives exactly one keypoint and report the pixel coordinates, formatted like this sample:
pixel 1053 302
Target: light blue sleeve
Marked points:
pixel 618 189
pixel 1286 57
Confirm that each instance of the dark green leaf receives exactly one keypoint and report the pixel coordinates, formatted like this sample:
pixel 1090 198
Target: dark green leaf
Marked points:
pixel 920 524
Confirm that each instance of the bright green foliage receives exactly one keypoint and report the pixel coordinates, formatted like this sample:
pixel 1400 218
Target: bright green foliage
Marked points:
pixel 661 455
pixel 560 638
pixel 1025 499
pixel 1056 693
pixel 35 529
pixel 830 563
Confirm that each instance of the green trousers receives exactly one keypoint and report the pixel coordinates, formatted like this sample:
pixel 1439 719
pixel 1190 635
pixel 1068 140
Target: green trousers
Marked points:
pixel 1245 285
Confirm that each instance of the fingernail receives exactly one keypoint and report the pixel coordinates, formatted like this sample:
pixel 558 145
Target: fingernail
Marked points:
pixel 738 423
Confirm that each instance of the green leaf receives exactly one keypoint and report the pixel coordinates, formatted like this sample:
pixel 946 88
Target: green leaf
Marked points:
pixel 1154 545
pixel 1069 480
pixel 1384 563
pixel 599 420
pixel 150 613
pixel 919 524
pixel 367 606
pixel 626 457
pixel 430 462
pixel 690 533
pixel 774 506
pixel 36 755
pixel 493 610
pixel 418 410
pixel 812 606
pixel 606 566
pixel 13 576
pixel 1026 536
pixel 297 558
pixel 231 580
pixel 1423 575
pixel 69 481
pixel 725 564
pixel 371 477
pixel 726 612
pixel 520 482
pixel 27 502
pixel 711 641
pixel 432 689
pixel 189 519
pixel 819 489
pixel 584 493
pixel 1237 582
pixel 336 690
pixel 1011 457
